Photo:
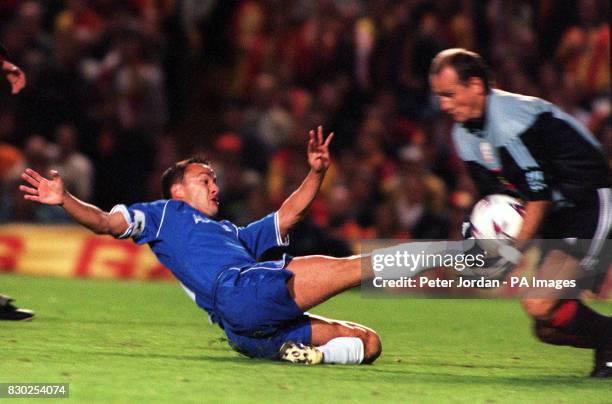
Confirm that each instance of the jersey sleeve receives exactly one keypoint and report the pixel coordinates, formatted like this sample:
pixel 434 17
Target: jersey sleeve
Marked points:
pixel 530 178
pixel 144 220
pixel 260 236
pixel 486 182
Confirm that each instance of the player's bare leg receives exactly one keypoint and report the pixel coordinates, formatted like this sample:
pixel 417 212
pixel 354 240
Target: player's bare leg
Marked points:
pixel 557 265
pixel 325 330
pixel 335 341
pixel 317 278
pixel 562 319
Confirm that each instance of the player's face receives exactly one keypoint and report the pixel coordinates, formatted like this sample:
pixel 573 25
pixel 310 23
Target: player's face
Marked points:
pixel 463 101
pixel 199 189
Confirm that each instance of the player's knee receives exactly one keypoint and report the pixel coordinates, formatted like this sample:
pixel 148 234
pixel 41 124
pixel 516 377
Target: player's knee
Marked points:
pixel 538 308
pixel 544 333
pixel 372 347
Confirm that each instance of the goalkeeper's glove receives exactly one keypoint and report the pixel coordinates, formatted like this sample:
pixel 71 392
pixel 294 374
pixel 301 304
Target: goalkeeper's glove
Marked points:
pixel 496 264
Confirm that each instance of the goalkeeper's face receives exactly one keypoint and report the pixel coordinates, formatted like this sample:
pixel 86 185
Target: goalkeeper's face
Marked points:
pixel 462 100
pixel 199 189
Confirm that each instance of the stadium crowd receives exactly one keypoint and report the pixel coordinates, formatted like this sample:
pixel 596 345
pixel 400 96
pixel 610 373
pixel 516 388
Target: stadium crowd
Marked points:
pixel 118 90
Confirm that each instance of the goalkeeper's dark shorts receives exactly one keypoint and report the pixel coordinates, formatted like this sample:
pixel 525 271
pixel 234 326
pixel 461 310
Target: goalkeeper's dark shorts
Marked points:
pixel 584 232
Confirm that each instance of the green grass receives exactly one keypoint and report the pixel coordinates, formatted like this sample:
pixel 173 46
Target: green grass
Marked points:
pixel 141 342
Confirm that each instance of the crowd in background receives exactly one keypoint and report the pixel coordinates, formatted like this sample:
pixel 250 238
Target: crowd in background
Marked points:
pixel 119 90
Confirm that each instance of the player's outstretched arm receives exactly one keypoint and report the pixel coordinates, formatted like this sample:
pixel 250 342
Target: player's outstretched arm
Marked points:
pixel 295 207
pixel 52 192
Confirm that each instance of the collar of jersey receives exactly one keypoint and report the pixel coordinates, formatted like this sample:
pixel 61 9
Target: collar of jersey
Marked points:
pixel 195 210
pixel 476 126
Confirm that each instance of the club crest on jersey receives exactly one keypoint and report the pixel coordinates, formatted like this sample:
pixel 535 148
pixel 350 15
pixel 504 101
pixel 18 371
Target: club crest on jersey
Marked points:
pixel 139 223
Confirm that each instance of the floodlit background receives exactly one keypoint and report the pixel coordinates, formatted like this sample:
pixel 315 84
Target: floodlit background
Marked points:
pixel 118 90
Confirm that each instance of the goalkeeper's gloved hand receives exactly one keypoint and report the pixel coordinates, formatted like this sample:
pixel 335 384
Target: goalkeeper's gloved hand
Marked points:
pixel 497 264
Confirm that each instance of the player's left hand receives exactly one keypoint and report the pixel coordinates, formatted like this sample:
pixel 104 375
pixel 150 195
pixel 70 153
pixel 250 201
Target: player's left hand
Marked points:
pixel 43 190
pixel 14 75
pixel 318 150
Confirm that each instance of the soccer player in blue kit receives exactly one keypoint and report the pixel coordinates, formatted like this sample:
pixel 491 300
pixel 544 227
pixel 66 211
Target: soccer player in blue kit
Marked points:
pixel 261 306
pixel 528 146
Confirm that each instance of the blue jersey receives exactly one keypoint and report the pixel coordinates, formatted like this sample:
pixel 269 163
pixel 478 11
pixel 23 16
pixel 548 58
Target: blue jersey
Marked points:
pixel 196 248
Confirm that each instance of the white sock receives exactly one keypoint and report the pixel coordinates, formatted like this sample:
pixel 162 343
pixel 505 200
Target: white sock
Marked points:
pixel 343 351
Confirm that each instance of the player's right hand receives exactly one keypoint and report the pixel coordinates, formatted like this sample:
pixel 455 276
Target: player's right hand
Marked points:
pixel 318 150
pixel 43 190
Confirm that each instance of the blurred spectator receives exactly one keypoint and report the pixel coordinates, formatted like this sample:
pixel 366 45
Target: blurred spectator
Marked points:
pixel 269 116
pixel 38 155
pixel 75 168
pixel 413 161
pixel 415 212
pixel 10 155
pixel 387 224
pixel 584 51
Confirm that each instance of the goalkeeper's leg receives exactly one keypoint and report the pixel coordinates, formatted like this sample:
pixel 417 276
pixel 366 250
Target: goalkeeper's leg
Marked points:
pixel 564 320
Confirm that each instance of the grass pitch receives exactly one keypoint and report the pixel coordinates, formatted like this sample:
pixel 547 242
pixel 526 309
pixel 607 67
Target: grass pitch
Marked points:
pixel 143 342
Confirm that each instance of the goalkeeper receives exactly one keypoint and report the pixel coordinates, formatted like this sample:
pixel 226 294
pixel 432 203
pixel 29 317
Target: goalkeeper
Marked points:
pixel 511 142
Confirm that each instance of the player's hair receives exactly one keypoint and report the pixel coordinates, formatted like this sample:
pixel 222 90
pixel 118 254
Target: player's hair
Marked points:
pixel 176 173
pixel 467 64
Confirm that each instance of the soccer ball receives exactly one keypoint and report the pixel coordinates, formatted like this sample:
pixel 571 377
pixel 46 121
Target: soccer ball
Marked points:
pixel 495 220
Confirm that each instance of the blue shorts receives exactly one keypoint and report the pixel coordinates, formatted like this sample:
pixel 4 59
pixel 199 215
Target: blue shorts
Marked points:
pixel 257 312
pixel 268 347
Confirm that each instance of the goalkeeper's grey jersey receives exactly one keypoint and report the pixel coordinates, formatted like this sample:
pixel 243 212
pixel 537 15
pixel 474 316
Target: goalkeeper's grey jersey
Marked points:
pixel 529 146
